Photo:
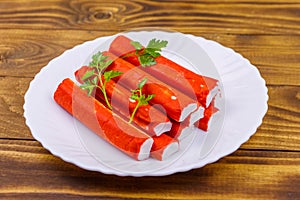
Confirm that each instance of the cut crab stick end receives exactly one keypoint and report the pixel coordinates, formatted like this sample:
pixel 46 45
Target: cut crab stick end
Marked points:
pixel 145 149
pixel 187 111
pixel 210 121
pixel 170 150
pixel 163 147
pixel 211 95
pixel 205 122
pixel 196 116
pixel 109 126
pixel 185 132
pixel 162 128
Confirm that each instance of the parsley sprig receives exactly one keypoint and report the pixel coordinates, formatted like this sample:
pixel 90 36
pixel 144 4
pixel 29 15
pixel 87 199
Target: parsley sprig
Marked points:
pixel 148 54
pixel 141 98
pixel 98 65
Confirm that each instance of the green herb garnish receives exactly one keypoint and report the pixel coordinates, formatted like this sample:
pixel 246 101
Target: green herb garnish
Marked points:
pixel 147 55
pixel 141 98
pixel 98 64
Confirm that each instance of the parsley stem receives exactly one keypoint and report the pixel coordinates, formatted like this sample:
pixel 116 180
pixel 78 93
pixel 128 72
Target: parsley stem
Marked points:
pixel 102 88
pixel 134 111
pixel 136 53
pixel 136 107
pixel 129 54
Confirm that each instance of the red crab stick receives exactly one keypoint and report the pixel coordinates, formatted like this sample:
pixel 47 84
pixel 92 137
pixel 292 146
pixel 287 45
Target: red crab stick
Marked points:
pixel 178 106
pixel 188 82
pixel 180 130
pixel 102 121
pixel 204 123
pixel 147 117
pixel 163 147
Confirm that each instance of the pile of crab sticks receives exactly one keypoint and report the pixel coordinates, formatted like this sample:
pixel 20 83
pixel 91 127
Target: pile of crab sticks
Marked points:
pixel 138 100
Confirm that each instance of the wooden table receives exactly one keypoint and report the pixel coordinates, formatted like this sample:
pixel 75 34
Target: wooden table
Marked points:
pixel 266 32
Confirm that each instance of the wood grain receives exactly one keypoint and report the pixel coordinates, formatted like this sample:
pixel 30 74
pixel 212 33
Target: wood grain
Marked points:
pixel 12 123
pixel 234 17
pixel 43 175
pixel 26 52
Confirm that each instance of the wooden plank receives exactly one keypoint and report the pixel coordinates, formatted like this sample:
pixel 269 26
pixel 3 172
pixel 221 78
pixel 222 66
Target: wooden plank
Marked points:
pixel 29 172
pixel 234 17
pixel 270 54
pixel 24 52
pixel 12 123
pixel 280 129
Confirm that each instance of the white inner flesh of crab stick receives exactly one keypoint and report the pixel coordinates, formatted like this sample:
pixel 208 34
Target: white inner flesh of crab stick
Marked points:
pixel 170 150
pixel 195 116
pixel 145 149
pixel 185 132
pixel 187 111
pixel 211 95
pixel 162 128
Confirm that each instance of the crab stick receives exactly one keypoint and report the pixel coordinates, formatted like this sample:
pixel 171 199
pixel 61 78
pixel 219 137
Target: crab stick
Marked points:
pixel 190 83
pixel 204 123
pixel 163 147
pixel 177 105
pixel 180 130
pixel 147 117
pixel 102 121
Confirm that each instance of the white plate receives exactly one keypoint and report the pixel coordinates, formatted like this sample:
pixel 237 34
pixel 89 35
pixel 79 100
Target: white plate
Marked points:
pixel 243 105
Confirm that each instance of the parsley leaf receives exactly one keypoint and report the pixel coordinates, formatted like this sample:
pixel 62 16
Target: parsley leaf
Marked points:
pixel 89 86
pixel 88 74
pixel 142 83
pixel 138 46
pixel 98 65
pixel 140 97
pixel 146 60
pixel 156 45
pixel 111 74
pixel 147 55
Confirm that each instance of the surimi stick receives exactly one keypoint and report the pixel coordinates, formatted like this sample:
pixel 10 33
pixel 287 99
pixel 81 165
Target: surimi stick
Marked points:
pixel 180 130
pixel 204 122
pixel 205 88
pixel 178 106
pixel 163 147
pixel 102 121
pixel 148 117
